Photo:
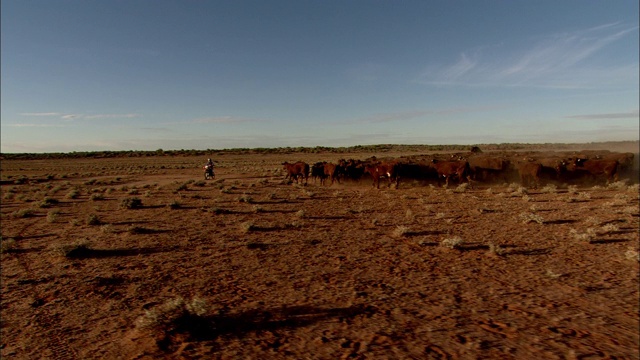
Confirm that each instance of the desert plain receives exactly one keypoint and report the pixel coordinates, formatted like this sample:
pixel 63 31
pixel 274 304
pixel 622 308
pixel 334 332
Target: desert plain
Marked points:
pixel 141 258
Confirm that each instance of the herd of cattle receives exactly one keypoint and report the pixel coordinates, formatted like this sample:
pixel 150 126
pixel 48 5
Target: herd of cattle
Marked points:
pixel 530 168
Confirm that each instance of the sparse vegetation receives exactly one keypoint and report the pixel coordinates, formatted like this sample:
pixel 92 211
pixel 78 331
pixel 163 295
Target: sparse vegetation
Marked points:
pixel 282 269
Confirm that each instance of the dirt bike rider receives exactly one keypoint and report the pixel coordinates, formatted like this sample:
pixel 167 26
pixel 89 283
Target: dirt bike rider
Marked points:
pixel 209 166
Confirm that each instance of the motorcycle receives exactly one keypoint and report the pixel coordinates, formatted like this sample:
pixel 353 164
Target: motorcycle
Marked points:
pixel 208 172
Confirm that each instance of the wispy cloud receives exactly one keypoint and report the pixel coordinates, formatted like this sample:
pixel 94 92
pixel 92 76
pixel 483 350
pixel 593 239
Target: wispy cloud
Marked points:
pixel 408 115
pixel 34 125
pixel 628 115
pixel 224 120
pixel 67 116
pixel 110 116
pixel 41 114
pixel 556 61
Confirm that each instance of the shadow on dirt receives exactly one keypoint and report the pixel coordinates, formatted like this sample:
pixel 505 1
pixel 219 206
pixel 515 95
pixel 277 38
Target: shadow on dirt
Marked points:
pixel 542 251
pixel 608 241
pixel 83 252
pixel 24 250
pixel 206 328
pixel 262 246
pixel 424 233
pixel 559 222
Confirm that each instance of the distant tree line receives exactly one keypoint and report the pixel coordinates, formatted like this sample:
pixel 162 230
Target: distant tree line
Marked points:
pixel 380 148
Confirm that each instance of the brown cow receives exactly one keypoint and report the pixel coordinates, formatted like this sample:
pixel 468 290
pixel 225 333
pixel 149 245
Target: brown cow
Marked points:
pixel 485 167
pixel 530 173
pixel 449 169
pixel 331 171
pixel 383 170
pixel 325 170
pixel 595 168
pixel 296 171
pixel 625 163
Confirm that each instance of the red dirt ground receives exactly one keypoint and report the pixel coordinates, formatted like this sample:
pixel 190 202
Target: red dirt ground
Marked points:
pixel 309 272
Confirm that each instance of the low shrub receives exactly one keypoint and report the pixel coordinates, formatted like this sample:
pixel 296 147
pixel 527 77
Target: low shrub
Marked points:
pixel 93 219
pixel 131 203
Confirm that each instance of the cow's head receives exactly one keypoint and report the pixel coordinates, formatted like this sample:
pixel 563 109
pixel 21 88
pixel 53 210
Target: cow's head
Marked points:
pixel 580 161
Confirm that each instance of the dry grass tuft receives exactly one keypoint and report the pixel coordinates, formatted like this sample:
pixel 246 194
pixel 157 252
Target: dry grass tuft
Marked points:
pixel 131 203
pixel 409 215
pixel 93 219
pixel 173 314
pixel 452 243
pixel 461 188
pixel 400 231
pixel 632 254
pixel 52 215
pixel 96 197
pixel 618 185
pixel 530 217
pixel 609 228
pixel 247 227
pixel 496 249
pixel 23 213
pixel 48 202
pixel 588 236
pixel 7 245
pixel 73 194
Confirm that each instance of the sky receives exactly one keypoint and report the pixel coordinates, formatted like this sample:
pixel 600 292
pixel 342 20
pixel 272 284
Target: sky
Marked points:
pixel 96 75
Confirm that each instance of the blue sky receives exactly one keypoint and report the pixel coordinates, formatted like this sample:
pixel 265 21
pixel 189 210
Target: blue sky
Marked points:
pixel 148 74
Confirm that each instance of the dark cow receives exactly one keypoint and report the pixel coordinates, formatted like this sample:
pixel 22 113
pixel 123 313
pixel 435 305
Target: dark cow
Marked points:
pixel 351 169
pixel 595 168
pixel 317 172
pixel 387 170
pixel 529 173
pixel 484 168
pixel 416 170
pixel 297 171
pixel 449 169
pixel 553 168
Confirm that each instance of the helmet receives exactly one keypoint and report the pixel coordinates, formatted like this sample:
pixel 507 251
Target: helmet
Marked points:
pixel 208 159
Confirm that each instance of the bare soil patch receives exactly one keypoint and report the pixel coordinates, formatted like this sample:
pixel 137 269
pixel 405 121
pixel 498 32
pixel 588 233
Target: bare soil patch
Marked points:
pixel 249 266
